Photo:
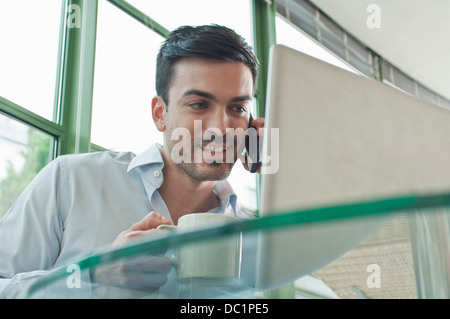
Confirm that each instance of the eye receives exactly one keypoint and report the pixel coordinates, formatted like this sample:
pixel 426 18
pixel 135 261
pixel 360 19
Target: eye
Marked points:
pixel 239 109
pixel 198 105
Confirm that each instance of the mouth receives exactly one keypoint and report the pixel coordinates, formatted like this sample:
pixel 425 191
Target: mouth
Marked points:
pixel 216 153
pixel 214 149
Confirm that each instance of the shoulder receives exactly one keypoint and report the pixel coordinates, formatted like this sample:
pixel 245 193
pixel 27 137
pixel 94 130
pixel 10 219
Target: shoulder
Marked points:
pixel 103 165
pixel 96 159
pixel 125 157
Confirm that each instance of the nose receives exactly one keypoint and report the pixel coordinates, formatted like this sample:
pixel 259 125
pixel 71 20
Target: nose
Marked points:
pixel 218 122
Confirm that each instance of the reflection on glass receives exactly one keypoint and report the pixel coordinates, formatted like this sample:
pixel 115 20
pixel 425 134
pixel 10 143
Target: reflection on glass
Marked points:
pixel 25 151
pixel 387 252
pixel 28 59
pixel 384 270
pixel 235 14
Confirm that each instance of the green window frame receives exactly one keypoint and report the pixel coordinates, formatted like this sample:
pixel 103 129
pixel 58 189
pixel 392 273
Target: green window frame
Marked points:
pixel 71 125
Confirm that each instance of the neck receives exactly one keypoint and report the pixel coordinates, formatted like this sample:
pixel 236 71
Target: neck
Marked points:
pixel 182 193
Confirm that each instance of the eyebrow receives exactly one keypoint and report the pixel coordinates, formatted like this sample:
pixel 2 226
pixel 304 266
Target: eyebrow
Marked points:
pixel 213 98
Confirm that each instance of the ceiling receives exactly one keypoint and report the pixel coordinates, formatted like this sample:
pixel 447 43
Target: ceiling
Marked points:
pixel 413 35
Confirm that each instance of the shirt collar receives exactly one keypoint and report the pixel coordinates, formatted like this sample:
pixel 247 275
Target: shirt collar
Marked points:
pixel 152 155
pixel 150 163
pixel 226 195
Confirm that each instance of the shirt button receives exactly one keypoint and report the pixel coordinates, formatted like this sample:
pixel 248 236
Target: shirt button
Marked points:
pixel 156 173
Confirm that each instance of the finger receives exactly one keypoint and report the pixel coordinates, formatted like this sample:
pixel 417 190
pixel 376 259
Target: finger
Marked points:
pixel 150 221
pixel 247 161
pixel 128 235
pixel 258 123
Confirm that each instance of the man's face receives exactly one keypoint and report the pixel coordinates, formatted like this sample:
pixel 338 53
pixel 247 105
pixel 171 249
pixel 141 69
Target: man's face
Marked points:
pixel 218 97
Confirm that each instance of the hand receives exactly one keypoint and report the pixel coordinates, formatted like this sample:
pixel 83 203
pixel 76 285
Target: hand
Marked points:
pixel 145 227
pixel 246 160
pixel 142 273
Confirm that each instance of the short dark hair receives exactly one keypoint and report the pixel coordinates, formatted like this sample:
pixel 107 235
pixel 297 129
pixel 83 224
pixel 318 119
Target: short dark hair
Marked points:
pixel 208 41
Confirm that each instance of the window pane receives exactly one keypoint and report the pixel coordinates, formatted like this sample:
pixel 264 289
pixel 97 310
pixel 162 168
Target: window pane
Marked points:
pixel 25 151
pixel 124 83
pixel 235 14
pixel 29 36
pixel 291 37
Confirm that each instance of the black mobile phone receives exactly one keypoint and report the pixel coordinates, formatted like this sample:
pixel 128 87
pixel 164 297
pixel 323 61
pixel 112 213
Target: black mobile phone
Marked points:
pixel 252 152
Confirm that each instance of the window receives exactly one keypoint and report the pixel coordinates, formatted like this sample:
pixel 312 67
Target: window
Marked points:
pixel 30 33
pixel 292 37
pixel 28 59
pixel 235 14
pixel 124 82
pixel 25 151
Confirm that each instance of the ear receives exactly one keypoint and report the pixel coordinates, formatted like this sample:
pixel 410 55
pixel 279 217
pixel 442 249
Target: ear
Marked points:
pixel 159 113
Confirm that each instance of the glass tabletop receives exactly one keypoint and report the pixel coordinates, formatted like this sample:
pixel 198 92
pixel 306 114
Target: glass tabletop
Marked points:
pixel 375 249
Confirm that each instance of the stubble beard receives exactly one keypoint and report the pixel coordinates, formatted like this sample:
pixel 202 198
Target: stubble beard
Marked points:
pixel 199 171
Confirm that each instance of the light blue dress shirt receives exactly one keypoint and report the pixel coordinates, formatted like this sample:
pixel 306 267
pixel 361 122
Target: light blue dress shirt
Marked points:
pixel 80 203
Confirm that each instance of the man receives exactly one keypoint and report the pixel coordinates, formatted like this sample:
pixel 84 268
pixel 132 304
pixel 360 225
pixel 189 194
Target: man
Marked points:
pixel 79 203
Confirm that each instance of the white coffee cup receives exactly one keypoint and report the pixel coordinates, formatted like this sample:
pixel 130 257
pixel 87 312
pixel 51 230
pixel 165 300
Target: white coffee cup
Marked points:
pixel 212 262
